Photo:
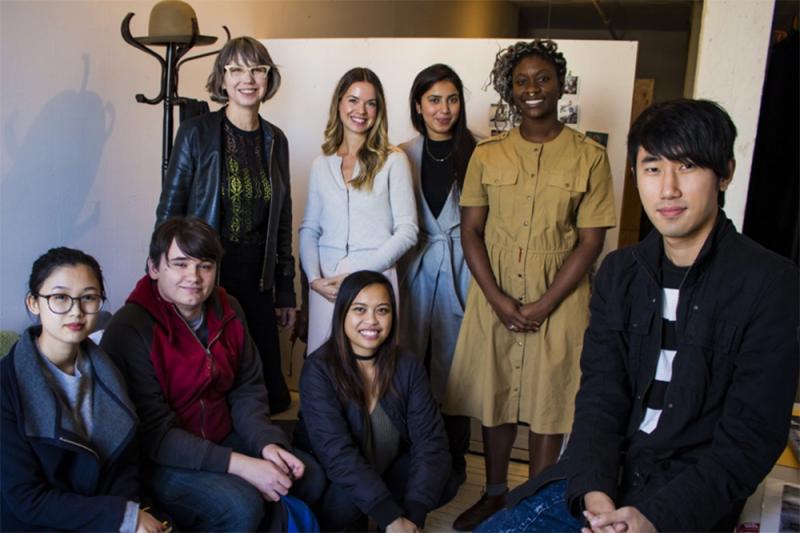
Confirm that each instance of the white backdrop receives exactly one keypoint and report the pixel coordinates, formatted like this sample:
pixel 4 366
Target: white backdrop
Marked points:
pixel 80 162
pixel 311 68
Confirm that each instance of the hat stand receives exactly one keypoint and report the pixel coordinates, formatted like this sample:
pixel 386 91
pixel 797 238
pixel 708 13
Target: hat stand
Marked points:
pixel 170 64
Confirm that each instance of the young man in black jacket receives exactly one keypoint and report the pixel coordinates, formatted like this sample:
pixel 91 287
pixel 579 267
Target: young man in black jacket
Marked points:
pixel 690 362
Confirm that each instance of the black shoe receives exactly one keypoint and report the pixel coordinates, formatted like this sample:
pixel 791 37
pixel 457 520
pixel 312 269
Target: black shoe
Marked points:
pixel 480 511
pixel 279 406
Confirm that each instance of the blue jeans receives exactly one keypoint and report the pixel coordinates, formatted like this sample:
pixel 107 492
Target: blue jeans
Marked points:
pixel 209 501
pixel 213 501
pixel 544 511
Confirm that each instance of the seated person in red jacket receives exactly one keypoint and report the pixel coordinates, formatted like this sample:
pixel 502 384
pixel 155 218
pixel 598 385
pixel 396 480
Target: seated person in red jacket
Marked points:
pixel 216 461
pixel 690 362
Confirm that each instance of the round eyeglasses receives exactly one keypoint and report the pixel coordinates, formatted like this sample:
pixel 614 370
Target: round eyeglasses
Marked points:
pixel 62 304
pixel 238 72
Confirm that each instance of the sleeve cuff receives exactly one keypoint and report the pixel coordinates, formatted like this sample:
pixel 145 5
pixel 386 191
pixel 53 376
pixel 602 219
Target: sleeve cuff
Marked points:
pixel 217 459
pixel 274 435
pixel 416 512
pixel 285 299
pixel 385 512
pixel 472 201
pixel 131 518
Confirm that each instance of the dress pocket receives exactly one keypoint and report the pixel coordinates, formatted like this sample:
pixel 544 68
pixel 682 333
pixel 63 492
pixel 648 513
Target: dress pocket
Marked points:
pixel 501 188
pixel 564 191
pixel 569 181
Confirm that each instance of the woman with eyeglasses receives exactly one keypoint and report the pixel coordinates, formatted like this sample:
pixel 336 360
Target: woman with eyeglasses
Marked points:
pixel 360 213
pixel 67 449
pixel 231 168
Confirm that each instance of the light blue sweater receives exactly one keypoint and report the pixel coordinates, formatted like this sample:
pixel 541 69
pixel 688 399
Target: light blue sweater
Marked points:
pixel 373 229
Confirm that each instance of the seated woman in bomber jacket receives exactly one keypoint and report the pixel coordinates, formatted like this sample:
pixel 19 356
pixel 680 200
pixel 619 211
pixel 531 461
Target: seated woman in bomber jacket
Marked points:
pixel 370 419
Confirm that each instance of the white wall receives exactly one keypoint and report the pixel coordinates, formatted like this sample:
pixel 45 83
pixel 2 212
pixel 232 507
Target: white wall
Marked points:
pixel 80 161
pixel 730 71
pixel 311 68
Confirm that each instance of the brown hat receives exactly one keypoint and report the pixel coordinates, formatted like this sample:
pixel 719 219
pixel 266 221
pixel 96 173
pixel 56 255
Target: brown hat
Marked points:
pixel 171 22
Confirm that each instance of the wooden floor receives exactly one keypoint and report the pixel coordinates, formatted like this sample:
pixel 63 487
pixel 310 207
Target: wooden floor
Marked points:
pixel 469 493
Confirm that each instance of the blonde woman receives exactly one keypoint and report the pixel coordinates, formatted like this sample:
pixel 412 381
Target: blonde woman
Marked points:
pixel 360 213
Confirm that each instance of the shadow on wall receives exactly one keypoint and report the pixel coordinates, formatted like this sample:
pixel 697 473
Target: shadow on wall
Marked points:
pixel 46 191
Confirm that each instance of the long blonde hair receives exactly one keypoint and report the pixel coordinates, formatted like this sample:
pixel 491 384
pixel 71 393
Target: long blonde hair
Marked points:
pixel 373 153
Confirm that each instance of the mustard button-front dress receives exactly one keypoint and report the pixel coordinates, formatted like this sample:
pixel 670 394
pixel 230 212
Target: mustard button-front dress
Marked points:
pixel 539 195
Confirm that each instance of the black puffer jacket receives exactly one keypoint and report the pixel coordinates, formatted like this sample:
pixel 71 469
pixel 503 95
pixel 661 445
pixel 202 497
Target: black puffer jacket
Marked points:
pixel 334 430
pixel 192 187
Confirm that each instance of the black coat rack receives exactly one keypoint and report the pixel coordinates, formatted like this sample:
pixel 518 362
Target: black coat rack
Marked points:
pixel 170 64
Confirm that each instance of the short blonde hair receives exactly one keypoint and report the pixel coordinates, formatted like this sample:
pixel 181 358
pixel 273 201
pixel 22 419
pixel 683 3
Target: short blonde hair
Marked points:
pixel 251 52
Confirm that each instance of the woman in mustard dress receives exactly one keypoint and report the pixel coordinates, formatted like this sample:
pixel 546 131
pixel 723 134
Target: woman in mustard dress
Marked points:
pixel 536 204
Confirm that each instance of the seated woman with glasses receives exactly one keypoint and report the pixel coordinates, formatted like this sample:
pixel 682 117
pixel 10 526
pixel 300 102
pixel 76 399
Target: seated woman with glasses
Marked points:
pixel 370 419
pixel 231 169
pixel 67 438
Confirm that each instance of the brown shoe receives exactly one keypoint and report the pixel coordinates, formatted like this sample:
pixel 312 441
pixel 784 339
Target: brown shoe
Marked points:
pixel 483 509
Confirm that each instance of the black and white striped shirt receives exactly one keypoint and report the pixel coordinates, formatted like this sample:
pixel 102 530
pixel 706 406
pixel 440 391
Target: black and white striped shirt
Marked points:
pixel 671 279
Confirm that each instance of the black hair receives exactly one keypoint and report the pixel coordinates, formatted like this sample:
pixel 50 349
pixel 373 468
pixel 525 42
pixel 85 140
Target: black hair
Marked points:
pixel 693 131
pixel 339 351
pixel 508 58
pixel 463 141
pixel 59 257
pixel 193 235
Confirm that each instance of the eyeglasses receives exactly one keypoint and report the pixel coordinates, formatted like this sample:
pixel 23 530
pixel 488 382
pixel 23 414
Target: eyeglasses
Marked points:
pixel 61 304
pixel 187 265
pixel 238 72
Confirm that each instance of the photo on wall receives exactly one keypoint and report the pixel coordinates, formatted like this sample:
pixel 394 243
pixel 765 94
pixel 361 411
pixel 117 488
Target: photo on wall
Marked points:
pixel 499 118
pixel 571 84
pixel 568 112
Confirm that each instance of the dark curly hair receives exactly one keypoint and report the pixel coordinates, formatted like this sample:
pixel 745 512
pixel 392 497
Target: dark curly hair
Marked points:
pixel 508 58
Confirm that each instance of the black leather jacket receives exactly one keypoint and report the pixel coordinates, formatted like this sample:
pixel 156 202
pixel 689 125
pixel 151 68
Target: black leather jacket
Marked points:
pixel 192 187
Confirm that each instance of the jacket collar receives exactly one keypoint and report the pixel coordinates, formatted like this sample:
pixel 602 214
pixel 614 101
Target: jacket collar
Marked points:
pixel 266 127
pixel 41 413
pixel 648 252
pixel 450 216
pixel 145 294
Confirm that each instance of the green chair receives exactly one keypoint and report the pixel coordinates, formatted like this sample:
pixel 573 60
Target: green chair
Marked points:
pixel 7 340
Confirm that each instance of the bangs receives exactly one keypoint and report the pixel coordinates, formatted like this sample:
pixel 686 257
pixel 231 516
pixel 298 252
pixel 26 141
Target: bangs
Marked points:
pixel 249 52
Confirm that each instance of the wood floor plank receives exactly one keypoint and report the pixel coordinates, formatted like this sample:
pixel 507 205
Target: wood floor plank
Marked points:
pixel 441 520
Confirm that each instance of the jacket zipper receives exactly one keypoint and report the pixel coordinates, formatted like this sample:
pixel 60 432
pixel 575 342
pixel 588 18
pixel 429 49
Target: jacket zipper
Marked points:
pixel 79 445
pixel 269 216
pixel 203 419
pixel 210 359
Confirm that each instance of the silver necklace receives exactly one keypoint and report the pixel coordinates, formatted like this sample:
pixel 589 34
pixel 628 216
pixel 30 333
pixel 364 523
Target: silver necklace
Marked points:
pixel 437 159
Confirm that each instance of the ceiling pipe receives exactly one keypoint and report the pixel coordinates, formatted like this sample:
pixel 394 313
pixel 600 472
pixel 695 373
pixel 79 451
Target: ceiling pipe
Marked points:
pixel 605 19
